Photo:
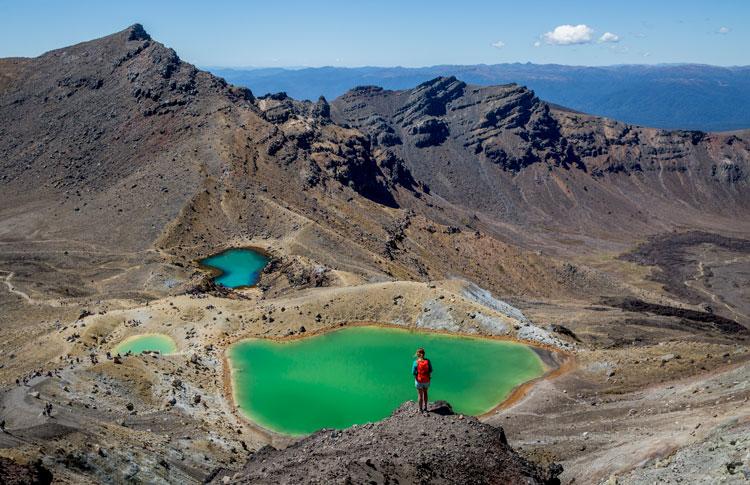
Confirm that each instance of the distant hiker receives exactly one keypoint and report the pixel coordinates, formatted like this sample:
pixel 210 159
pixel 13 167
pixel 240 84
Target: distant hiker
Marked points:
pixel 422 370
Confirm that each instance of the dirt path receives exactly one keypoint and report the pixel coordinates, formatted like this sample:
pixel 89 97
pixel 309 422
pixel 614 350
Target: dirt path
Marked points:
pixel 694 283
pixel 21 410
pixel 26 297
pixel 13 290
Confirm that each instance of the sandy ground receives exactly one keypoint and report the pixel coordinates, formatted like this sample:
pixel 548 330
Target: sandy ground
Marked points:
pixel 619 409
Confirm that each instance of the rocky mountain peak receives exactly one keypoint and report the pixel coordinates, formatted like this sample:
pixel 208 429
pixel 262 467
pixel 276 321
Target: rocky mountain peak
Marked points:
pixel 506 125
pixel 430 98
pixel 137 32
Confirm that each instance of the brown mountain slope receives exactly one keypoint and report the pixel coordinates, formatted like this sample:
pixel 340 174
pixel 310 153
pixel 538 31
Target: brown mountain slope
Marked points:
pixel 121 164
pixel 118 135
pixel 117 147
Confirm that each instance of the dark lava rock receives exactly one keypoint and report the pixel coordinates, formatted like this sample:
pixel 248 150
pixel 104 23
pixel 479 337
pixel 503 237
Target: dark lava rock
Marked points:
pixel 395 171
pixel 430 132
pixel 12 473
pixel 689 318
pixel 563 330
pixel 407 447
pixel 84 314
pixel 671 253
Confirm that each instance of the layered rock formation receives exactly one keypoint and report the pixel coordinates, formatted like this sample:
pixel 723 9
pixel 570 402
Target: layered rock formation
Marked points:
pixel 502 151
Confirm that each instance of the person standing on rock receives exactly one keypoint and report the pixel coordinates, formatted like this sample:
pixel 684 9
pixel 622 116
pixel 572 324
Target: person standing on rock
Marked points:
pixel 422 370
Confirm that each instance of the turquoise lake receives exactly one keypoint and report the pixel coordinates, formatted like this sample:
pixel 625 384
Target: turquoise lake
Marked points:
pixel 146 343
pixel 361 374
pixel 239 267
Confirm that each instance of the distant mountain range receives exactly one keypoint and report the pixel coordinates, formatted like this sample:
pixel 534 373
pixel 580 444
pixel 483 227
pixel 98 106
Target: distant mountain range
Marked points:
pixel 685 96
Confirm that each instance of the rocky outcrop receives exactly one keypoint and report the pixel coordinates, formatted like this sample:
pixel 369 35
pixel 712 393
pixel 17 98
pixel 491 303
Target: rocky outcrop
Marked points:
pixel 345 156
pixel 429 132
pixel 429 99
pixel 394 170
pixel 516 129
pixel 306 131
pixel 439 447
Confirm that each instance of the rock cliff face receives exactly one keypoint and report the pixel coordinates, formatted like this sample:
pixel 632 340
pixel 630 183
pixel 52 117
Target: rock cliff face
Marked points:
pixel 329 151
pixel 438 448
pixel 505 125
pixel 502 151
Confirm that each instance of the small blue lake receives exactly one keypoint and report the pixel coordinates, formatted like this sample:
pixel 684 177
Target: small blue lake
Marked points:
pixel 237 267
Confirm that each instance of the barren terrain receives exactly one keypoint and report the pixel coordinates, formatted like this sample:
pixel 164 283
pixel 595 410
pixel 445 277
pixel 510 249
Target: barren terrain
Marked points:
pixel 622 251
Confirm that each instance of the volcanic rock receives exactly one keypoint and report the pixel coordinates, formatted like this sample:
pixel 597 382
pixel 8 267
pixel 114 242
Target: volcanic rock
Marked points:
pixel 407 447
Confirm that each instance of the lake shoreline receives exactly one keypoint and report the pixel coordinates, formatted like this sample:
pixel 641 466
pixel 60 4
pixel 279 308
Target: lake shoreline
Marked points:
pixel 132 338
pixel 214 272
pixel 554 361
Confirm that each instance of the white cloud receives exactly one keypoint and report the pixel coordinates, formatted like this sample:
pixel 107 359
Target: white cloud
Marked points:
pixel 723 30
pixel 609 37
pixel 498 45
pixel 569 34
pixel 537 44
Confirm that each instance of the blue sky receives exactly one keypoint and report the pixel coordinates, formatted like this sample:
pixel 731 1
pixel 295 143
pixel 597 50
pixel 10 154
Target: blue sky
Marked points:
pixel 388 33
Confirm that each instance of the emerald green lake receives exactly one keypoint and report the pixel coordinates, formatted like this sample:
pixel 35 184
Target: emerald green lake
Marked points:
pixel 361 374
pixel 148 342
pixel 239 267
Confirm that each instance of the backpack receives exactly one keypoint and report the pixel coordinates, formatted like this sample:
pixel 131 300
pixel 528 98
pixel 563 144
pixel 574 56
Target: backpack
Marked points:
pixel 423 371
